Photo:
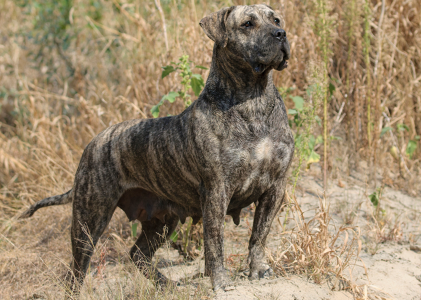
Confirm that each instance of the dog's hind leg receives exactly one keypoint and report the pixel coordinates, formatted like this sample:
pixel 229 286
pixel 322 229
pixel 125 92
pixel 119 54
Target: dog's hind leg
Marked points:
pixel 154 234
pixel 90 218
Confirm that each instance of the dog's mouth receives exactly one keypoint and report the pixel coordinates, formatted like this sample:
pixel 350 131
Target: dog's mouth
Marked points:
pixel 259 68
pixel 282 65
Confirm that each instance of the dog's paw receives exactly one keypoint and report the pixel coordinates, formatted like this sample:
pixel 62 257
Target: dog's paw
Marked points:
pixel 221 282
pixel 263 271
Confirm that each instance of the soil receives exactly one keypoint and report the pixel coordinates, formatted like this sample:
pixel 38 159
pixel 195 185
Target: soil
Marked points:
pixel 393 266
pixel 389 265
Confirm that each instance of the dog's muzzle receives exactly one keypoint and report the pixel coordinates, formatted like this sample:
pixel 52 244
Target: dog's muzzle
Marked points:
pixel 281 36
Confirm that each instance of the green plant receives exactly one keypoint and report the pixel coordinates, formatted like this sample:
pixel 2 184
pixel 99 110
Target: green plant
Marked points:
pixel 188 238
pixel 304 116
pixel 375 197
pixel 134 229
pixel 411 146
pixel 189 81
pixel 50 28
pixel 323 27
pixel 375 200
pixel 304 141
pixel 385 227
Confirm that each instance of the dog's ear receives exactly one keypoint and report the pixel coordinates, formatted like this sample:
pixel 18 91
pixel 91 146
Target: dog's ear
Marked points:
pixel 268 6
pixel 214 25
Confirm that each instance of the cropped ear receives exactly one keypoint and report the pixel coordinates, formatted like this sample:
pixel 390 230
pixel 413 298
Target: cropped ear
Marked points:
pixel 214 25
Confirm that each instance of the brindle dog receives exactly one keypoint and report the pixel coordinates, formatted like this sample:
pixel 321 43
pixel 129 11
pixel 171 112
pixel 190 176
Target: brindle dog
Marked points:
pixel 230 148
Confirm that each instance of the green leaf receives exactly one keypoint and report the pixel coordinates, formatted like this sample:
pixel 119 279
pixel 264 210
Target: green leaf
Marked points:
pixel 318 120
pixel 170 97
pixel 155 110
pixel 297 120
pixel 174 236
pixel 201 67
pixel 384 130
pixel 134 230
pixel 402 127
pixel 411 147
pixel 331 88
pixel 292 112
pixel 197 84
pixel 313 158
pixel 311 142
pixel 299 102
pixel 333 137
pixel 319 140
pixel 167 70
pixel 374 198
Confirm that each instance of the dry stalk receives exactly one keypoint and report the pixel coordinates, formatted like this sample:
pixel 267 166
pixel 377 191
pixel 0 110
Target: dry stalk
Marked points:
pixel 318 249
pixel 48 117
pixel 164 25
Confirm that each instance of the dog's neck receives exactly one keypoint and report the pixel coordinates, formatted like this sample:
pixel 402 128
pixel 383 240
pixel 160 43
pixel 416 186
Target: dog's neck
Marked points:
pixel 232 81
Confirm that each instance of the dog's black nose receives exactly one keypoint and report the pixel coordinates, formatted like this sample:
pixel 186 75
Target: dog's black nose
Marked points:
pixel 279 34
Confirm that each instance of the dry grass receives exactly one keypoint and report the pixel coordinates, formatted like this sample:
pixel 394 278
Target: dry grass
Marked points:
pixel 318 249
pixel 53 102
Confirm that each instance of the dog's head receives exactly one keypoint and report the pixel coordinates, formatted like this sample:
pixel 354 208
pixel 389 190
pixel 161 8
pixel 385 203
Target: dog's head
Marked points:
pixel 253 33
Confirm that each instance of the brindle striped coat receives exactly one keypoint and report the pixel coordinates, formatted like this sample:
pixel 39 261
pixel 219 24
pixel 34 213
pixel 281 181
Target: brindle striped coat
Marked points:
pixel 230 148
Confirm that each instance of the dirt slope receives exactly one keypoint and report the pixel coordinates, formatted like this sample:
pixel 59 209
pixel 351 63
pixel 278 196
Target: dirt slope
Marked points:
pixel 32 268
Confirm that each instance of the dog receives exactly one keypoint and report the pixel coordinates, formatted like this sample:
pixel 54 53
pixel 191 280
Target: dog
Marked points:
pixel 232 147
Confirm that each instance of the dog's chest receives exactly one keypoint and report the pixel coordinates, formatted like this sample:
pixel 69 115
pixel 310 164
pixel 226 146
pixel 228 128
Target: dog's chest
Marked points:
pixel 254 166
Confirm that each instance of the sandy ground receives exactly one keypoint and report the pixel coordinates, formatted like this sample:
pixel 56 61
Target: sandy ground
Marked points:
pixel 393 266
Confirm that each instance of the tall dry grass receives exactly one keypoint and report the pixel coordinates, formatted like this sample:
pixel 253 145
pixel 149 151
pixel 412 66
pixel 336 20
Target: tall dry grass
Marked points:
pixel 317 248
pixel 104 67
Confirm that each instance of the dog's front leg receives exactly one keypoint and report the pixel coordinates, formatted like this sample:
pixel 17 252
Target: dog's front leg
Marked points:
pixel 266 210
pixel 214 203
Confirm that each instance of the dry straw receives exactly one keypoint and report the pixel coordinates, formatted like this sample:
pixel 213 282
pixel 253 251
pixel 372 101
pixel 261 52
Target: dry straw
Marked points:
pixel 104 67
pixel 317 248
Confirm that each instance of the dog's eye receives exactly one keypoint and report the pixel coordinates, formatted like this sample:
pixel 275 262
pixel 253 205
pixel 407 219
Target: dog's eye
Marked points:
pixel 277 21
pixel 248 24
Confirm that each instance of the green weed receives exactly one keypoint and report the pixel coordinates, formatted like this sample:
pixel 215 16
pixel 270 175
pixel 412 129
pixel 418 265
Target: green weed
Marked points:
pixel 323 27
pixel 189 81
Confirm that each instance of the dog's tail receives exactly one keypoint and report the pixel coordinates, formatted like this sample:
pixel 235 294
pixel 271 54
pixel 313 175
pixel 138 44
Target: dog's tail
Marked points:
pixel 54 200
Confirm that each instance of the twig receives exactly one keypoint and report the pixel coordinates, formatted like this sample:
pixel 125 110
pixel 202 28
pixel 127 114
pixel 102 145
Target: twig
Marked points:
pixel 164 26
pixel 113 31
pixel 379 39
pixel 394 48
pixel 338 119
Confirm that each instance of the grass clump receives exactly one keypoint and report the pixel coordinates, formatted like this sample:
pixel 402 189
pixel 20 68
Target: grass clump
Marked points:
pixel 316 248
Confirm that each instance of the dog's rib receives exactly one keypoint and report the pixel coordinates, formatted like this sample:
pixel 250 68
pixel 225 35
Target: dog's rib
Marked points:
pixel 54 200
